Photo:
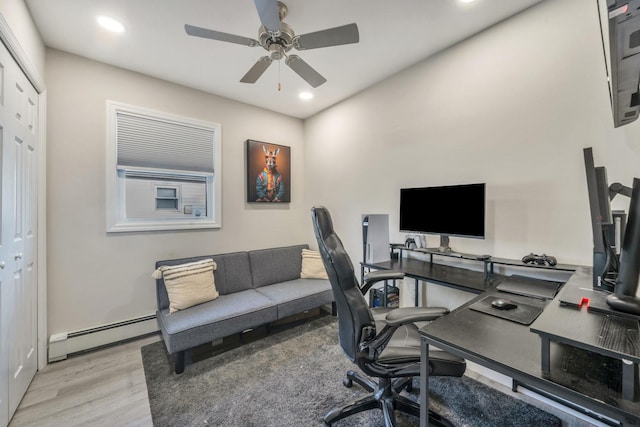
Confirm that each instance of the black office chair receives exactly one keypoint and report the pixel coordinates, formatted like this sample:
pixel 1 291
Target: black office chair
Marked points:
pixel 384 344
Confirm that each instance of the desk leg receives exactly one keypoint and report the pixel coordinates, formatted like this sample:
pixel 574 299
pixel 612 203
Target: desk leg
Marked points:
pixel 424 383
pixel 415 292
pixel 546 353
pixel 384 294
pixel 629 379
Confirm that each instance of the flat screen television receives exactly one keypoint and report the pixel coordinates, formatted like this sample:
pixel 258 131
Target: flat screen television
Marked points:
pixel 451 210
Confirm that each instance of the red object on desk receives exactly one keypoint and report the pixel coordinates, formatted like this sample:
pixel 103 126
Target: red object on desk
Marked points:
pixel 584 301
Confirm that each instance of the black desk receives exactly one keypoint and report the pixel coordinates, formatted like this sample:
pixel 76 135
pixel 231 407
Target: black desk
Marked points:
pixel 441 274
pixel 455 277
pixel 514 350
pixel 610 335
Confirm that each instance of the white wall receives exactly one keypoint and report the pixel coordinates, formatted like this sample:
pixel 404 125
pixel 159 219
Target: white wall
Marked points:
pixel 95 278
pixel 513 107
pixel 17 16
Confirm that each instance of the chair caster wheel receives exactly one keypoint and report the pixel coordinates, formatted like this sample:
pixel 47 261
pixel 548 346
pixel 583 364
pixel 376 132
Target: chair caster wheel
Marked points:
pixel 347 382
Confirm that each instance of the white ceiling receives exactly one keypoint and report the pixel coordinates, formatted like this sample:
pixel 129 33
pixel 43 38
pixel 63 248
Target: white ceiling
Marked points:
pixel 393 36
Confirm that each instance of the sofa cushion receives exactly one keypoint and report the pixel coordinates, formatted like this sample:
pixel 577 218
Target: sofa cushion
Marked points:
pixel 233 273
pixel 276 265
pixel 296 296
pixel 224 316
pixel 312 266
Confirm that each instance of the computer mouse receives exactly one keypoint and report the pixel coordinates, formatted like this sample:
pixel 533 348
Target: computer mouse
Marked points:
pixel 503 304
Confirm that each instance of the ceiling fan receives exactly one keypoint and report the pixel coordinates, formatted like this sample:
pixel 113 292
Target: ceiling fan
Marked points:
pixel 278 38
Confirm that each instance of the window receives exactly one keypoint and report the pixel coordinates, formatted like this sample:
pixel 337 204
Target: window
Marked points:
pixel 167 198
pixel 163 171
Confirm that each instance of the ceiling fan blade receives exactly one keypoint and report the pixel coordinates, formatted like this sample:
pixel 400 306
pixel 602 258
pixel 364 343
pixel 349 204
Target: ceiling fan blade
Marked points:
pixel 257 70
pixel 305 71
pixel 345 34
pixel 269 14
pixel 217 35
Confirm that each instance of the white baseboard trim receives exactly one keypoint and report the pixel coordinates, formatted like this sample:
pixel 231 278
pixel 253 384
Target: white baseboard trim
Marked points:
pixel 64 344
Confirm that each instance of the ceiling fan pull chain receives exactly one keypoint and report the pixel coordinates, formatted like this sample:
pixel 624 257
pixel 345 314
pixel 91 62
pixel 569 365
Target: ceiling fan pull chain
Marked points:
pixel 279 85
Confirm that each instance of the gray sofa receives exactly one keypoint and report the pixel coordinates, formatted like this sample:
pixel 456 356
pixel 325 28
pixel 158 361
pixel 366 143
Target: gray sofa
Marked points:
pixel 256 287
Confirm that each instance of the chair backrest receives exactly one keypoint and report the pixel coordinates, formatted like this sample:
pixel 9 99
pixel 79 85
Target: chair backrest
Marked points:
pixel 353 311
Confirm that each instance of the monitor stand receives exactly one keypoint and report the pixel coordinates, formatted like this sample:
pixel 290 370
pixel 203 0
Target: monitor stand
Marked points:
pixel 444 248
pixel 444 244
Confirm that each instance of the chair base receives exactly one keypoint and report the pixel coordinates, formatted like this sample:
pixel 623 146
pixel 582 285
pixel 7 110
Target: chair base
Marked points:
pixel 385 396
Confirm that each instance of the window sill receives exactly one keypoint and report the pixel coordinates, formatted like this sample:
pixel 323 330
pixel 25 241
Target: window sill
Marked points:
pixel 146 225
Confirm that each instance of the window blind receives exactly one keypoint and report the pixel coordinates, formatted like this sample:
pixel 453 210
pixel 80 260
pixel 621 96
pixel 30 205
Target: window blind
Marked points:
pixel 149 142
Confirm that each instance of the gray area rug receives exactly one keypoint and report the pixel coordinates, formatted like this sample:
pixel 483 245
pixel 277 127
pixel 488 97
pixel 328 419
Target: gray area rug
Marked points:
pixel 293 377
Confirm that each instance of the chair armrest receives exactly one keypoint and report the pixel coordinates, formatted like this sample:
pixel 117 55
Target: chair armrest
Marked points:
pixel 374 277
pixel 393 320
pixel 404 315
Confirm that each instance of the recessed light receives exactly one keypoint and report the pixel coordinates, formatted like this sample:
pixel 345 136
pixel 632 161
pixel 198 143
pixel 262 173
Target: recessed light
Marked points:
pixel 305 95
pixel 110 24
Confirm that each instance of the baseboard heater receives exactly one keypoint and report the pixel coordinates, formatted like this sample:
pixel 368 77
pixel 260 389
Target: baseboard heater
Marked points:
pixel 64 344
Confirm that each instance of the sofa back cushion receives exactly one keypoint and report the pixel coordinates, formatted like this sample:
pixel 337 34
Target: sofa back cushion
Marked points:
pixel 275 265
pixel 233 274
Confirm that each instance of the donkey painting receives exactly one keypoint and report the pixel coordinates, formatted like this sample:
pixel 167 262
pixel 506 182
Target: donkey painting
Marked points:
pixel 269 183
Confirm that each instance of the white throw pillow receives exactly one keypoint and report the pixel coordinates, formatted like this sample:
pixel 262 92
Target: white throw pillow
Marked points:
pixel 312 266
pixel 188 284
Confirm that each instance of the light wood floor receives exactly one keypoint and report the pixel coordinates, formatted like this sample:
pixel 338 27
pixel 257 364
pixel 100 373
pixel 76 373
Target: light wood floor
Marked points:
pixel 107 387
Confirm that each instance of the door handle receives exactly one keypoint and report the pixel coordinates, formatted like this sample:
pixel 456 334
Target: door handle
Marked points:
pixel 1 265
pixel 18 256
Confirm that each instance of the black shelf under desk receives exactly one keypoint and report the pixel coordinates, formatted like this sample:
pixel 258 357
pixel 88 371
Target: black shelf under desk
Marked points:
pixel 446 275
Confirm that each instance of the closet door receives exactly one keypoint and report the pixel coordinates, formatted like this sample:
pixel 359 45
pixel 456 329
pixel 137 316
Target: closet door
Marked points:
pixel 7 217
pixel 18 248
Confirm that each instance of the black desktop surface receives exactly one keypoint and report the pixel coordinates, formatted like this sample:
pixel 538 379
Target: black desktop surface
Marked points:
pixel 597 301
pixel 529 286
pixel 613 335
pixel 505 343
pixel 514 349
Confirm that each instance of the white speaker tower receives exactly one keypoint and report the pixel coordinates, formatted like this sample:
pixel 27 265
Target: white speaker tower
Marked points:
pixel 375 238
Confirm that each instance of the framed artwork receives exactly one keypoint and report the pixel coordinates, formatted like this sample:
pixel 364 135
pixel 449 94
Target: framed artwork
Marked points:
pixel 268 172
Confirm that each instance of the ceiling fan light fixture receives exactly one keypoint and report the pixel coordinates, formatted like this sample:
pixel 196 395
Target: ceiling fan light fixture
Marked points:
pixel 110 24
pixel 276 52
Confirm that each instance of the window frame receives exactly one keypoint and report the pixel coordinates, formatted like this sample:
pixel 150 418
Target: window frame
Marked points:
pixel 116 178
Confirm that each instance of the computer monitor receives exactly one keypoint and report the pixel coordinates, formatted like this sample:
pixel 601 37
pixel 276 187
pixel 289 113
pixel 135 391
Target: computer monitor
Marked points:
pixel 604 256
pixel 625 296
pixel 451 210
